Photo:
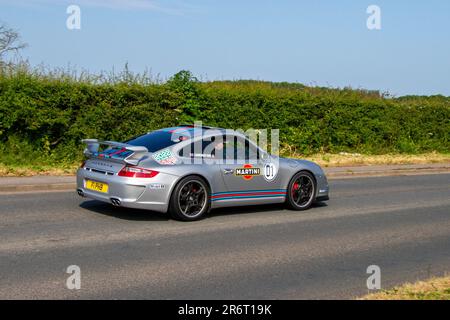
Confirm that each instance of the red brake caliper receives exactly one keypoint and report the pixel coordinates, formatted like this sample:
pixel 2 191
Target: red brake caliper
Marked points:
pixel 295 187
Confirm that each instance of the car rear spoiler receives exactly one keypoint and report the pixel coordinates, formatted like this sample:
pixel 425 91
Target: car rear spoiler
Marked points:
pixel 120 152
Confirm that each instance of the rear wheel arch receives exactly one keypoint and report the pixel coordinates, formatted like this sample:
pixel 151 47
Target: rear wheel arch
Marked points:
pixel 193 175
pixel 175 187
pixel 189 175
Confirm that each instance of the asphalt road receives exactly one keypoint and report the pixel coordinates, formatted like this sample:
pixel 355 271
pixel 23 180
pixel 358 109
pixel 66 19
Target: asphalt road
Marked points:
pixel 401 224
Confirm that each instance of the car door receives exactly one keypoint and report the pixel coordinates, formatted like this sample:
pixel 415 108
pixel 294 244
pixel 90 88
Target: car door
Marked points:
pixel 249 176
pixel 199 157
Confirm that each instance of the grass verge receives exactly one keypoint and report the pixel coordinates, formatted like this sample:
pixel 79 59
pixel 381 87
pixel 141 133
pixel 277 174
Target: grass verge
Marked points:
pixel 356 159
pixel 34 170
pixel 432 289
pixel 324 159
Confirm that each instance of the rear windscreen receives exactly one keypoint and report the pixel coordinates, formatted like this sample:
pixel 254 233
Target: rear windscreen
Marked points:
pixel 153 141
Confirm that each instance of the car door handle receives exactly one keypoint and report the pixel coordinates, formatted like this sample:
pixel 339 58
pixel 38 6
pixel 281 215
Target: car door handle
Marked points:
pixel 228 171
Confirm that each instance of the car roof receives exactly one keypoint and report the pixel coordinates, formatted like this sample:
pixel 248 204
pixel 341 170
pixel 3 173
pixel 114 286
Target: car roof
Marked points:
pixel 192 131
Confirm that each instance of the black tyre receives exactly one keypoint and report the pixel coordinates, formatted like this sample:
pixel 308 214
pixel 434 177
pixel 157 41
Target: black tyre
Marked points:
pixel 190 199
pixel 301 191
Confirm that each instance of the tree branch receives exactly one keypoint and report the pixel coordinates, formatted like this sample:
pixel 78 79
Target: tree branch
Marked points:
pixel 9 41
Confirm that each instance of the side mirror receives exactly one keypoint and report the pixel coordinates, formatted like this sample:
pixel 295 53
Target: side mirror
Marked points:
pixel 265 156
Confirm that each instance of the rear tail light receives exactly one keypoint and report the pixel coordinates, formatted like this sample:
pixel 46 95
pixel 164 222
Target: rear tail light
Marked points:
pixel 136 172
pixel 82 163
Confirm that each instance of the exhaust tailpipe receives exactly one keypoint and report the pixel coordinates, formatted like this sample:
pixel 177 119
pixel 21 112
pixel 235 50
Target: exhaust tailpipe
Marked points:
pixel 115 202
pixel 80 192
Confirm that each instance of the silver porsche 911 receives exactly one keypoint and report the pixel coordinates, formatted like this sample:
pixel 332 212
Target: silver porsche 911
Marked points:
pixel 188 170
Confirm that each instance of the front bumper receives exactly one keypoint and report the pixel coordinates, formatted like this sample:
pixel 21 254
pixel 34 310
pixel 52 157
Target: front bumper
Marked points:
pixel 323 189
pixel 150 194
pixel 322 198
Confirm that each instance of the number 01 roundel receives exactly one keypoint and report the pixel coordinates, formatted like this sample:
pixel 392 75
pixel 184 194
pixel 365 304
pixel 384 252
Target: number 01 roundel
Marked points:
pixel 270 171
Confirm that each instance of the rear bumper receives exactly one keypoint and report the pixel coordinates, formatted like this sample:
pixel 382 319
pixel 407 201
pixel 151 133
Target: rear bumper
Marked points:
pixel 150 194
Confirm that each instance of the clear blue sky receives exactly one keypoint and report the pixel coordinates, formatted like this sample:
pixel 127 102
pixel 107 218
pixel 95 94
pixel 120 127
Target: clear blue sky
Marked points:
pixel 322 42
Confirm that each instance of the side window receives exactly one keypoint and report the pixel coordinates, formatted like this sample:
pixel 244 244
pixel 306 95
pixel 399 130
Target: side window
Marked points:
pixel 202 149
pixel 239 148
pixel 229 150
pixel 221 147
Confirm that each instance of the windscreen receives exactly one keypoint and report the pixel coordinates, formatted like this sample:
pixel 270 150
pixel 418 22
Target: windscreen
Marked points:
pixel 153 141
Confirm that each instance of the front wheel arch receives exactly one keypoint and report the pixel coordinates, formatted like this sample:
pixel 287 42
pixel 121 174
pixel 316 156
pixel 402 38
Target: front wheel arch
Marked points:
pixel 288 190
pixel 311 173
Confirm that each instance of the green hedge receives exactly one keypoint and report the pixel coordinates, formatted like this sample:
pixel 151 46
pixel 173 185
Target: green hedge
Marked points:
pixel 43 119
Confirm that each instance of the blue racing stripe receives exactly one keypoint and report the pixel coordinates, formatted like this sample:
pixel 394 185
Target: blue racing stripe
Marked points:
pixel 249 191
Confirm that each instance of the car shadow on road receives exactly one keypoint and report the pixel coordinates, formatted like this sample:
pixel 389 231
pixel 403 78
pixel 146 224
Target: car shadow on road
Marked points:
pixel 256 209
pixel 122 212
pixel 147 215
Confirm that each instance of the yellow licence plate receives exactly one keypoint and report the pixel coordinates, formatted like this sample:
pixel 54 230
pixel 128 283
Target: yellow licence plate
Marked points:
pixel 96 186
